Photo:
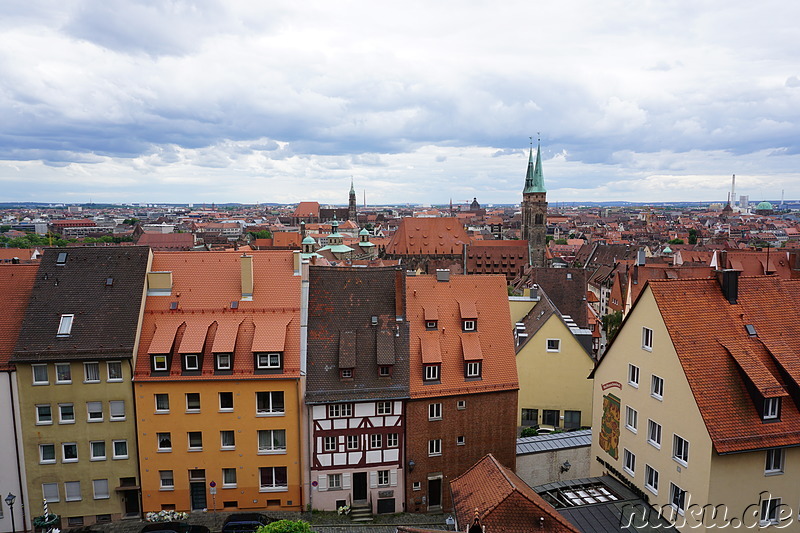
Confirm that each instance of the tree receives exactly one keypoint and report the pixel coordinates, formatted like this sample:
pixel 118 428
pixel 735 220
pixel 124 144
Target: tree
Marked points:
pixel 611 324
pixel 286 526
pixel 130 221
pixel 561 241
pixel 529 432
pixel 692 236
pixel 675 241
pixel 263 234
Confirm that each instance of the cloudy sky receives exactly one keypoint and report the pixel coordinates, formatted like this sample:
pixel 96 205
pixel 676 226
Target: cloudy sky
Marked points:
pixel 418 101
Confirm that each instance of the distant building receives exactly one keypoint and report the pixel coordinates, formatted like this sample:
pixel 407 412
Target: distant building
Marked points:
pixel 534 210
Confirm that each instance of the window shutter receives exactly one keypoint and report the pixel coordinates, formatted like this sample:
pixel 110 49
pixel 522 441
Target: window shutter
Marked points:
pixel 373 480
pixel 393 478
pixel 323 482
pixel 345 480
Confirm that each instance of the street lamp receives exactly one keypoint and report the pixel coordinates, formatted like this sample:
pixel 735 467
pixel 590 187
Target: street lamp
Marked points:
pixel 10 501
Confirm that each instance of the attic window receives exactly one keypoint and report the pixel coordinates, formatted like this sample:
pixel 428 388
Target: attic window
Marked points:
pixel 772 409
pixel 751 330
pixel 173 306
pixel 65 326
pixel 431 324
pixel 109 282
pixel 61 260
pixel 234 305
pixel 469 325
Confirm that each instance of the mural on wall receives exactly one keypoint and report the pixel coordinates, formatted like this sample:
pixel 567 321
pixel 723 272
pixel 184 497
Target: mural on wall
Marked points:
pixel 609 427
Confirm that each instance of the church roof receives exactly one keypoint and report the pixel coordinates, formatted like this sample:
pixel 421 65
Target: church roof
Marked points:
pixel 534 180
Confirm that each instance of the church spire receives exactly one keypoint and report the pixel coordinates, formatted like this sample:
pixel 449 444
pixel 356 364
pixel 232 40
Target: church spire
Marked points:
pixel 534 179
pixel 352 188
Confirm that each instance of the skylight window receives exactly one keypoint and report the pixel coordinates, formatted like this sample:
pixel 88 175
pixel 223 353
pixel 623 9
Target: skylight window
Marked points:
pixel 61 260
pixel 751 330
pixel 65 326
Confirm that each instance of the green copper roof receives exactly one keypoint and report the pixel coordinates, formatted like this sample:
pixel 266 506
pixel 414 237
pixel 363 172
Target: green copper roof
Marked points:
pixel 309 240
pixel 363 232
pixel 534 180
pixel 764 205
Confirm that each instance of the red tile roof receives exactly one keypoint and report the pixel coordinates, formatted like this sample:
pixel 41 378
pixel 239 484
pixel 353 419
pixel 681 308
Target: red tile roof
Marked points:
pixel 428 236
pixel 485 297
pixel 16 282
pixel 306 209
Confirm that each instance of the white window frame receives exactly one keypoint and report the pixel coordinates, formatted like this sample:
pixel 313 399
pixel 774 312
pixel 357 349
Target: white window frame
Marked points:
pixel 680 450
pixel 631 415
pixel 162 395
pixel 194 447
pixel 42 420
pixel 86 366
pixel 553 345
pixel 392 440
pixel 114 454
pixel 473 369
pixel 657 387
pixel 61 419
pixel 34 368
pixel 115 405
pixel 225 357
pixel 434 447
pixel 346 373
pixel 271 449
pixel 383 478
pixel 65 326
pixel 159 437
pixel 222 434
pixel 166 480
pixel 770 512
pixel 431 373
pixel 160 363
pixel 654 431
pixel 461 405
pixel 677 498
pixel 225 409
pixel 89 411
pixel 274 487
pixel 375 441
pixel 99 494
pixel 70 486
pixel 50 487
pixel 191 361
pixel 774 461
pixel 330 444
pixel 42 460
pixel 647 339
pixel 651 479
pixel 92 456
pixel 109 366
pixel 64 446
pixel 271 411
pixel 384 371
pixel 340 410
pixel 226 482
pixel 269 363
pixel 192 395
pixel 629 461
pixel 461 440
pixel 772 408
pixel 434 411
pixel 352 442
pixel 68 366
pixel 383 408
pixel 469 324
pixel 334 481
pixel 633 376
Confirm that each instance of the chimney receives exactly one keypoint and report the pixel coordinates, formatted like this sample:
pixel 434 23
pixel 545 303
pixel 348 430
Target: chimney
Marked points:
pixel 729 282
pixel 296 261
pixel 722 259
pixel 442 274
pixel 640 258
pixel 247 277
pixel 399 294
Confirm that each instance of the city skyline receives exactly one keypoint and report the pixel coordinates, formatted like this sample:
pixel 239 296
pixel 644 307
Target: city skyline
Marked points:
pixel 206 101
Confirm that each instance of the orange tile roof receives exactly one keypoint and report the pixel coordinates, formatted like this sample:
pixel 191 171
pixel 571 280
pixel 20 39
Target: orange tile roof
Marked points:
pixel 429 345
pixel 428 236
pixel 225 337
pixel 194 337
pixel 270 334
pixel 306 209
pixel 471 347
pixel 16 282
pixel 715 349
pixel 490 297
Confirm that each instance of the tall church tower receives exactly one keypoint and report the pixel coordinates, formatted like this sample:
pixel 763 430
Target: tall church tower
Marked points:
pixel 534 210
pixel 351 208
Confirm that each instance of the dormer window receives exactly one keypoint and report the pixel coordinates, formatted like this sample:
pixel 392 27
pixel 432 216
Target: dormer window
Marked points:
pixel 346 373
pixel 473 369
pixel 431 372
pixel 266 361
pixel 772 409
pixel 469 325
pixel 65 326
pixel 431 324
pixel 223 361
pixel 160 363
pixel 191 361
pixel 384 371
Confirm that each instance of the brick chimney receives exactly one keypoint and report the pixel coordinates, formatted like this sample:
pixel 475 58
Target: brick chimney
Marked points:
pixel 246 262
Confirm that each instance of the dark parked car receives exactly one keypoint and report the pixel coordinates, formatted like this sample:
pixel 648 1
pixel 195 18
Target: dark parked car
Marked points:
pixel 173 527
pixel 245 522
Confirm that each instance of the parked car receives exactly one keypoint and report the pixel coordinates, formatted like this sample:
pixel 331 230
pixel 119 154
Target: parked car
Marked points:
pixel 173 527
pixel 245 522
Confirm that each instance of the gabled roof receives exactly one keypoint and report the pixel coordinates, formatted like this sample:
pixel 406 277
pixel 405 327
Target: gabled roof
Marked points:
pixel 167 241
pixel 503 501
pixel 306 209
pixel 483 296
pixel 428 236
pixel 16 283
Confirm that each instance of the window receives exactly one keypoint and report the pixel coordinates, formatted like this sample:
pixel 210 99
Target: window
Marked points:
pixel 657 388
pixel 65 326
pixel 114 369
pixel 460 440
pixel 435 447
pixel 647 339
pixel 47 453
pixel 461 405
pixel 191 361
pixel 651 479
pixel 120 448
pixel 340 410
pixel 195 440
pixel 100 488
pixel 384 408
pixel 329 444
pixel 40 375
pixel 164 442
pixel 346 373
pixel 167 480
pixel 553 345
pixel 417 485
pixel 44 415
pixel 69 452
pixel 473 369
pixel 192 402
pixel 680 449
pixel 629 461
pixel 268 360
pixel 392 440
pixel 550 417
pixel 469 325
pixel 66 413
pixel 631 418
pixel 572 419
pixel 375 441
pixel 434 411
pixel 654 433
pixel 431 372
pixel 97 450
pixel 61 259
pixel 633 376
pixel 772 407
pixel 530 417
pixel 383 478
pixel 227 439
pixel 50 492
pixel 116 410
pixel 226 401
pixel 228 477
pixel 269 403
pixel 159 363
pixel 72 491
pixel 334 481
pixel 769 511
pixel 91 372
pixel 431 324
pixel 63 373
pixel 95 411
pixel 774 461
pixel 384 371
pixel 677 498
pixel 223 361
pixel 162 403
pixel 273 478
pixel 272 441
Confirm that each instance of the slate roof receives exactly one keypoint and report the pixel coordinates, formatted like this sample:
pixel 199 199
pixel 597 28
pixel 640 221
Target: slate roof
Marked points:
pixel 719 357
pixel 484 296
pixel 16 283
pixel 428 236
pixel 554 441
pixel 341 334
pixel 503 501
pixel 204 284
pixel 566 287
pixel 106 315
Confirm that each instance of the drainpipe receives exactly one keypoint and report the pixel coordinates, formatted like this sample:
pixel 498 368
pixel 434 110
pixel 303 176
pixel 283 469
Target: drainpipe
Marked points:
pixel 22 490
pixel 305 430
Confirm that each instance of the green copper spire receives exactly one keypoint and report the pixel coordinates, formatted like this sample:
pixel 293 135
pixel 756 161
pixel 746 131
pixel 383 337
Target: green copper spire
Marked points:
pixel 534 180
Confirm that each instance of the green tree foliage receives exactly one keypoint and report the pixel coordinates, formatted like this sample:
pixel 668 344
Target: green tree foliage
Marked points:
pixel 263 234
pixel 32 240
pixel 529 432
pixel 130 221
pixel 611 324
pixel 675 241
pixel 561 241
pixel 692 236
pixel 286 526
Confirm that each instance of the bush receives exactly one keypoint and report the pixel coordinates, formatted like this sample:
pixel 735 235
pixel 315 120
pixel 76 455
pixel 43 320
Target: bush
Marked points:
pixel 286 526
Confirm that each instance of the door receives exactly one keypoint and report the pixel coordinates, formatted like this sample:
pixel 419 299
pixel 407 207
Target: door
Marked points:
pixel 198 494
pixel 359 486
pixel 434 493
pixel 131 498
